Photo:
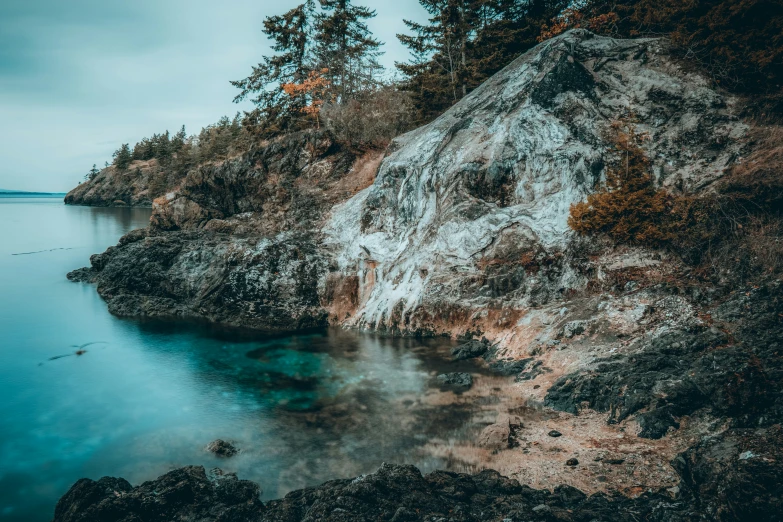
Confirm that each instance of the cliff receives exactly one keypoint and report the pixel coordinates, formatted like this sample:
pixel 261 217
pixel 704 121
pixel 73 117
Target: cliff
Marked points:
pixel 136 186
pixel 460 227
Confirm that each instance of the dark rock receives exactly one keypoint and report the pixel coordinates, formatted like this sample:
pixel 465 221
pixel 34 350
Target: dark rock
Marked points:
pixel 727 487
pixel 683 371
pixel 222 448
pixel 185 494
pixel 509 366
pixel 572 462
pixel 470 350
pixel 80 275
pixel 554 433
pixel 392 493
pixel 614 462
pixel 457 380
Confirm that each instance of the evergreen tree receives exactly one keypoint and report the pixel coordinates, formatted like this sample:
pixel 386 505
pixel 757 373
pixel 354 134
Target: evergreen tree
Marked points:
pixel 123 157
pixel 178 141
pixel 463 43
pixel 345 47
pixel 291 36
pixel 163 147
pixel 439 74
pixel 92 173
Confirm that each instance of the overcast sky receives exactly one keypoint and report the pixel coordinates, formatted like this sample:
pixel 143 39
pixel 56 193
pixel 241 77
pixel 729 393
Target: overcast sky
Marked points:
pixel 80 77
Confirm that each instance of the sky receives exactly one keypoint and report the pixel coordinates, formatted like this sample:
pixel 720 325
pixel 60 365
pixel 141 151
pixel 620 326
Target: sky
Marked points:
pixel 80 77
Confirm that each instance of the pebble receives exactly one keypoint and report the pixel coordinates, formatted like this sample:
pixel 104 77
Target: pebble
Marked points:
pixel 572 462
pixel 554 433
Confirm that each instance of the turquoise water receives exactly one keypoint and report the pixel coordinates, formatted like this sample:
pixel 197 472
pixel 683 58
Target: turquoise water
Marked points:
pixel 147 397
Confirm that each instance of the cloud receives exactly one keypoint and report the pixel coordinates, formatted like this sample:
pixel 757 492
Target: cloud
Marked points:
pixel 79 78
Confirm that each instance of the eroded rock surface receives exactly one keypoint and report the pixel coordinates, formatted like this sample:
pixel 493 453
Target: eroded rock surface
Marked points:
pixel 467 219
pixel 711 489
pixel 464 231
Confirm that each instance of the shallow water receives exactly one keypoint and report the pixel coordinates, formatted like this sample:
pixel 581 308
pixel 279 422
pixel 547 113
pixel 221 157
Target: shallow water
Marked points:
pixel 147 397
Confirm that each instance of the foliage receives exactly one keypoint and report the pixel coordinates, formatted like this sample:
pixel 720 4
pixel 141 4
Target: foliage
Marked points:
pixel 739 42
pixel 371 120
pixel 92 173
pixel 345 48
pixel 629 208
pixel 331 37
pixel 737 228
pixel 572 18
pixel 314 89
pixel 122 157
pixel 179 153
pixel 465 42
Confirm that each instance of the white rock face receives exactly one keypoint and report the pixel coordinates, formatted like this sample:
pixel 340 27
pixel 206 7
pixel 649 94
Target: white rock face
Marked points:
pixel 469 213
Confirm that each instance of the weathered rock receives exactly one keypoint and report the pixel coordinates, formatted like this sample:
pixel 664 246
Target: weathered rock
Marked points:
pixel 470 212
pixel 266 284
pixel 509 366
pixel 136 186
pixel 470 350
pixel 679 372
pixel 495 436
pixel 715 487
pixel 456 380
pixel 514 422
pixel 222 448
pixel 574 328
pixel 727 487
pixel 186 495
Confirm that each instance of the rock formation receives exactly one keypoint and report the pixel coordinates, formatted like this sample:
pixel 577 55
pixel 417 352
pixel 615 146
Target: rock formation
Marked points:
pixel 461 228
pixel 136 186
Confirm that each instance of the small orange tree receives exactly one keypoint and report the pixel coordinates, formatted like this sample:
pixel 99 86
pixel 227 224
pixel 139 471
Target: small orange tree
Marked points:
pixel 314 90
pixel 628 208
pixel 572 18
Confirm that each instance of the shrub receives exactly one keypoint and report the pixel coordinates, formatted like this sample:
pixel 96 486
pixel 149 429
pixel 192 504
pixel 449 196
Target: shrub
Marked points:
pixel 629 208
pixel 372 120
pixel 735 229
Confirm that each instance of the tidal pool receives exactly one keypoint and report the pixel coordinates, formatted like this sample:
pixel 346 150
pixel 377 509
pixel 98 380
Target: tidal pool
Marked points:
pixel 144 398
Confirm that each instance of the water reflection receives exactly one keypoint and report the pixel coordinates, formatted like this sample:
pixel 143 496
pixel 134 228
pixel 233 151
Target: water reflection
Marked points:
pixel 147 397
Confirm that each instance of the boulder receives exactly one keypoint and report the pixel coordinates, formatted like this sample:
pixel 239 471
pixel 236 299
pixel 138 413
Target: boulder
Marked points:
pixel 222 448
pixel 495 436
pixel 456 380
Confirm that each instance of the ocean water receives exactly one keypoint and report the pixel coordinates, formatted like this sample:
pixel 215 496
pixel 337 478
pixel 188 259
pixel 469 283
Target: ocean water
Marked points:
pixel 145 398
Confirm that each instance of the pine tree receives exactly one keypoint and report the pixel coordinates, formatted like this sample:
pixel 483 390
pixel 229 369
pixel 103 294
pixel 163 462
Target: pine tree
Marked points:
pixel 123 157
pixel 345 47
pixel 291 36
pixel 439 74
pixel 92 173
pixel 178 141
pixel 464 43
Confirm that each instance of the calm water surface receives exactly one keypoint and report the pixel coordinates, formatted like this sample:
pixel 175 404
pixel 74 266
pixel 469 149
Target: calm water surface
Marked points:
pixel 146 398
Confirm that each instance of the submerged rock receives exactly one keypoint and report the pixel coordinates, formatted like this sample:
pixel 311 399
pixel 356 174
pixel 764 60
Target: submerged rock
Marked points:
pixel 457 380
pixel 222 448
pixel 470 350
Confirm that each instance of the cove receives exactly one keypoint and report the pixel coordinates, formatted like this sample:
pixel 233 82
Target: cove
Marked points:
pixel 146 397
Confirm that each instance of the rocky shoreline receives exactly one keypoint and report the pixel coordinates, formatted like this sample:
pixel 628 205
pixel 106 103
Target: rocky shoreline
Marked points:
pixel 715 486
pixel 663 383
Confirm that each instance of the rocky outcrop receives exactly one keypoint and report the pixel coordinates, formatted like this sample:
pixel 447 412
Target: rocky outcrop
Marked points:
pixel 186 494
pixel 136 186
pixel 469 213
pixel 461 228
pixel 238 243
pixel 728 479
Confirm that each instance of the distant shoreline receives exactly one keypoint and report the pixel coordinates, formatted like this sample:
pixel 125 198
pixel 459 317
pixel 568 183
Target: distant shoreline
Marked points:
pixel 32 194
